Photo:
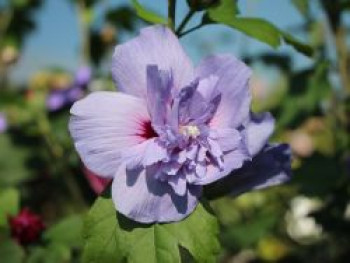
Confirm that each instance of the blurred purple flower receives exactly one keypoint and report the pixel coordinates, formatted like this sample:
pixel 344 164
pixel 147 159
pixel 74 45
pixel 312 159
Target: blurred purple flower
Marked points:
pixel 172 129
pixel 83 76
pixel 59 99
pixel 3 123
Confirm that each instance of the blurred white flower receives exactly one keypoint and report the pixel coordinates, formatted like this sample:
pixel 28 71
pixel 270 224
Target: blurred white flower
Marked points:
pixel 244 256
pixel 9 55
pixel 300 226
pixel 347 212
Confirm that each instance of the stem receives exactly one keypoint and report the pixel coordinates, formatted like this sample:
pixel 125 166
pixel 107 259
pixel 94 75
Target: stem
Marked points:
pixel 84 32
pixel 74 189
pixel 57 155
pixel 191 30
pixel 171 14
pixel 333 12
pixel 337 114
pixel 6 22
pixel 4 25
pixel 340 42
pixel 43 123
pixel 185 21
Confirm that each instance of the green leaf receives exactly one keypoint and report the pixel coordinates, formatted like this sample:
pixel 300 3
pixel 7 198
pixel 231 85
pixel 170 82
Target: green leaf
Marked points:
pixel 54 253
pixel 308 88
pixel 257 28
pixel 67 232
pixel 111 237
pixel 302 6
pixel 250 232
pixel 19 3
pixel 260 29
pixel 9 204
pixel 14 169
pixel 147 15
pixel 299 46
pixel 11 252
pixel 225 11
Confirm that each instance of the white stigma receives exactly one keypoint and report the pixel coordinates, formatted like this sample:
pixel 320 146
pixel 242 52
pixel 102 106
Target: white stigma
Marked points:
pixel 190 130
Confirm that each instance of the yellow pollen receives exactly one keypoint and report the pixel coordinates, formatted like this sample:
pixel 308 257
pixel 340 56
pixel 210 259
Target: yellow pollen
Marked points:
pixel 190 130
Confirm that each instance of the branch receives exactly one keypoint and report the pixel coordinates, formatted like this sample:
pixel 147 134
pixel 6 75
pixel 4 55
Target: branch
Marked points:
pixel 171 14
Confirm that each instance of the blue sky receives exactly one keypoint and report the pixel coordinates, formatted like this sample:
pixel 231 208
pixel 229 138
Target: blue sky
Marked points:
pixel 56 40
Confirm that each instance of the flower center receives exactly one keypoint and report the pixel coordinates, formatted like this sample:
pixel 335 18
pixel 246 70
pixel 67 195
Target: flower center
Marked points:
pixel 147 131
pixel 190 130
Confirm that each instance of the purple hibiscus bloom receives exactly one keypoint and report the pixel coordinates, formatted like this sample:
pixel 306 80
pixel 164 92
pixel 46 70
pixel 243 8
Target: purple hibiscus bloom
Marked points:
pixel 173 129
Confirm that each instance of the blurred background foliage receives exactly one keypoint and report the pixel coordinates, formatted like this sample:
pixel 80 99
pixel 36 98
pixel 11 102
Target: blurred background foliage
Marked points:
pixel 305 220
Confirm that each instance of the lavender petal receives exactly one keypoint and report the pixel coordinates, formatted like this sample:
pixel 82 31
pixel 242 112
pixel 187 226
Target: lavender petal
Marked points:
pixel 156 45
pixel 143 198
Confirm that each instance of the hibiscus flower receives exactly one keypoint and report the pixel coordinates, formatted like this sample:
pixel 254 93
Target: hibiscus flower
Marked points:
pixel 172 129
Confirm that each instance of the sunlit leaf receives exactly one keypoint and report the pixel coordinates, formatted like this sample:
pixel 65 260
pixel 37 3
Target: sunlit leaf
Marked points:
pixel 308 88
pixel 67 232
pixel 302 6
pixel 147 15
pixel 258 28
pixel 9 204
pixel 54 253
pixel 14 169
pixel 11 252
pixel 225 11
pixel 19 3
pixel 111 237
pixel 299 46
pixel 249 233
pixel 87 3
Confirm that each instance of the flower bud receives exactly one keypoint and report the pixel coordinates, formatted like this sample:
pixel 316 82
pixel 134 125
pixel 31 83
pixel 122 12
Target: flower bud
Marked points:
pixel 97 184
pixel 3 123
pixel 108 34
pixel 199 5
pixel 26 227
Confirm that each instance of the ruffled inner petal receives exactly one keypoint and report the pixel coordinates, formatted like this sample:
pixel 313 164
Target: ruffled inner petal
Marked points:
pixel 228 139
pixel 233 76
pixel 232 160
pixel 159 84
